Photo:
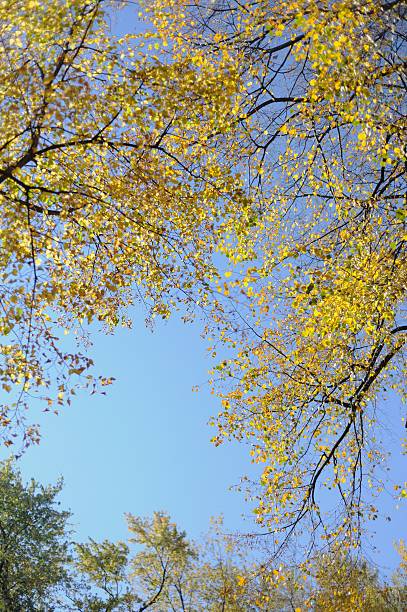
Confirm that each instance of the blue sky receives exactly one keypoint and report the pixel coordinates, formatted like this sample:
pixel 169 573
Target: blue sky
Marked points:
pixel 145 445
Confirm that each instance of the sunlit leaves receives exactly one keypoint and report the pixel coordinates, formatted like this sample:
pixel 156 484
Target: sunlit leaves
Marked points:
pixel 263 137
pixel 313 291
pixel 103 197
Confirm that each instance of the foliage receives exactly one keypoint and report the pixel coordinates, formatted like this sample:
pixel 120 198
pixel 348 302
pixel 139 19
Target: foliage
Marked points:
pixel 97 211
pixel 34 543
pixel 104 567
pixel 314 290
pixel 171 573
pixel 167 573
pixel 345 582
pixel 152 573
pixel 265 137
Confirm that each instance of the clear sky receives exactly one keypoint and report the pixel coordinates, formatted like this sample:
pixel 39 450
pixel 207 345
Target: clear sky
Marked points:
pixel 145 445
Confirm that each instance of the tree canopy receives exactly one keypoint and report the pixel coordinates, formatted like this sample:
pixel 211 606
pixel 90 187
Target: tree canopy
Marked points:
pixel 96 210
pixel 247 159
pixel 315 289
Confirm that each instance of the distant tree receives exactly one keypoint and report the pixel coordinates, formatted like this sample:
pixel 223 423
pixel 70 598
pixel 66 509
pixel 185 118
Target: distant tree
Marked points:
pixel 350 585
pixel 34 544
pixel 171 573
pixel 144 579
pixel 168 573
pixel 160 569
